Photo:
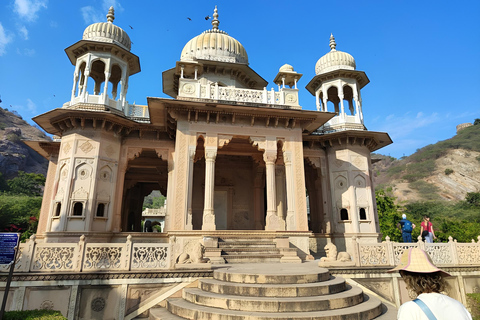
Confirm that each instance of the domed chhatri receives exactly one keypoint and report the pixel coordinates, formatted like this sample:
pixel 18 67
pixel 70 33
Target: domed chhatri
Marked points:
pixel 334 60
pixel 214 45
pixel 108 32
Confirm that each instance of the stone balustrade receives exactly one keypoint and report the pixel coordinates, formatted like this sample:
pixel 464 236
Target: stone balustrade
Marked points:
pixel 90 257
pixel 194 89
pixel 388 253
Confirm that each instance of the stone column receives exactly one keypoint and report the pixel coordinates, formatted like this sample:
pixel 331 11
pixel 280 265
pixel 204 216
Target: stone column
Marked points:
pixel 258 198
pixel 191 158
pixel 272 221
pixel 290 220
pixel 208 210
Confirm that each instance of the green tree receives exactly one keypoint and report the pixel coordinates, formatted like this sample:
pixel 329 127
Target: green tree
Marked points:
pixel 27 183
pixel 19 213
pixel 473 199
pixel 388 216
pixel 3 183
pixel 477 121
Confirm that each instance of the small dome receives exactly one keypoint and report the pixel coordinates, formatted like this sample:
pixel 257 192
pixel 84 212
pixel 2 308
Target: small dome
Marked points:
pixel 215 45
pixel 334 60
pixel 108 32
pixel 286 68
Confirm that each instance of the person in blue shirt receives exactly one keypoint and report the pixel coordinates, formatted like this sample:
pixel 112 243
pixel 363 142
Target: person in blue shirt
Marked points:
pixel 406 227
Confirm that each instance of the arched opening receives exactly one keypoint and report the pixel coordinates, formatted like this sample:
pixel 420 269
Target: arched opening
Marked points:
pixel 81 77
pixel 78 209
pixel 58 209
pixel 348 99
pixel 154 212
pixel 100 210
pixel 97 73
pixel 333 99
pixel 363 214
pixel 315 197
pixel 115 80
pixel 146 173
pixel 344 214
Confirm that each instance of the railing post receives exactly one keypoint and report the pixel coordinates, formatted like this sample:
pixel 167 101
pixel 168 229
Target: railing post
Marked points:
pixel 390 253
pixel 420 243
pixel 272 97
pixel 27 254
pixel 453 250
pixel 216 91
pixel 128 252
pixel 357 251
pixel 265 95
pixel 80 254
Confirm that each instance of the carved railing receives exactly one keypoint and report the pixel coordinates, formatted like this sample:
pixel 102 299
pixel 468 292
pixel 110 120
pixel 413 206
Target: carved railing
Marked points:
pixel 388 253
pixel 90 257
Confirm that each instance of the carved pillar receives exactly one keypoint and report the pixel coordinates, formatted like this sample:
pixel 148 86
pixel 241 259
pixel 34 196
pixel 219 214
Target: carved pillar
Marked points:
pixel 272 220
pixel 258 185
pixel 280 196
pixel 170 192
pixel 290 220
pixel 208 210
pixel 191 158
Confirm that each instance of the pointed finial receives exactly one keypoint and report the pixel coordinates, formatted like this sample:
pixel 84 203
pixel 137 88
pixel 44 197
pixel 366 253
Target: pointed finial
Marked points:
pixel 333 44
pixel 215 21
pixel 111 15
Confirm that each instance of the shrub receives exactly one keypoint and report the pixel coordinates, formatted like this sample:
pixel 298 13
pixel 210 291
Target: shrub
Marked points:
pixel 34 315
pixel 473 303
pixel 448 171
pixel 427 191
pixel 13 138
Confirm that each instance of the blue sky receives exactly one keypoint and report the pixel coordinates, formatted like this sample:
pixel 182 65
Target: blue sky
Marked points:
pixel 422 57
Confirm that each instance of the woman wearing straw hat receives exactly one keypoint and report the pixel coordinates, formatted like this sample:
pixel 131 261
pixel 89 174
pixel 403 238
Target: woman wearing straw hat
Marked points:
pixel 425 282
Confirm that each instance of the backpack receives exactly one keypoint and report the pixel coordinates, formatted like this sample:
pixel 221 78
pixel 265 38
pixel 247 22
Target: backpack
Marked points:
pixel 407 226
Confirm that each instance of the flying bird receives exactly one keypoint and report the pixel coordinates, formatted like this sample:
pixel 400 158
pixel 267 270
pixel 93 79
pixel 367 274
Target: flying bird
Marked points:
pixel 189 19
pixel 130 26
pixel 207 17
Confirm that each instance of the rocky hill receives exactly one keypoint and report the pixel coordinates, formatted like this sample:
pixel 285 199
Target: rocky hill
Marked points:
pixel 447 170
pixel 14 154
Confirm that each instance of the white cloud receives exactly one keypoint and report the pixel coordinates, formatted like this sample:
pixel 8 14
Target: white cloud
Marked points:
pixel 92 14
pixel 28 9
pixel 31 106
pixel 24 32
pixel 5 38
pixel 26 52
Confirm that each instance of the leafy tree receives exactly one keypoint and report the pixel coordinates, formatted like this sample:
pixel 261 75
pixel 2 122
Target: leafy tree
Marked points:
pixel 473 198
pixel 27 184
pixel 388 216
pixel 3 183
pixel 477 121
pixel 19 213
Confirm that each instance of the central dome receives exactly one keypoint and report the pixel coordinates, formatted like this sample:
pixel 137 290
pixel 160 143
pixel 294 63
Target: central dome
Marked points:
pixel 108 32
pixel 214 45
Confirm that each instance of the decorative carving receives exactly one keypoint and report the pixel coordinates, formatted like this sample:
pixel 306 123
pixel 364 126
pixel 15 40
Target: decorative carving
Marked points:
pixel 86 147
pixel 98 304
pixel 105 175
pixel 46 305
pixel 290 98
pixel 133 153
pixel 162 153
pixel 373 254
pixel 269 157
pixel 99 257
pixel 224 140
pixel 53 258
pixel 193 252
pixel 188 88
pixel 83 174
pixel 440 253
pixel 109 150
pixel 80 194
pixel 149 256
pixel 332 255
pixel 64 173
pixel 67 147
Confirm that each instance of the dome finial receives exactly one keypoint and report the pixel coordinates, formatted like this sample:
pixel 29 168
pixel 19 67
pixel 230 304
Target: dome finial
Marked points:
pixel 215 21
pixel 111 15
pixel 333 44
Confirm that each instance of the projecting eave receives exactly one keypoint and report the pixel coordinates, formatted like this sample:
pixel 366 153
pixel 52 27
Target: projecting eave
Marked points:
pixel 83 46
pixel 373 140
pixel 60 120
pixel 161 109
pixel 44 148
pixel 317 81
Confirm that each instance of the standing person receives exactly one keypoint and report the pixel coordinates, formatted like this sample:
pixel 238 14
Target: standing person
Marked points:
pixel 427 226
pixel 406 227
pixel 425 282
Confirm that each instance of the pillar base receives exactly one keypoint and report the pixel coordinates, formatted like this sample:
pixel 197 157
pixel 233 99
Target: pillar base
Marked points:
pixel 208 221
pixel 273 222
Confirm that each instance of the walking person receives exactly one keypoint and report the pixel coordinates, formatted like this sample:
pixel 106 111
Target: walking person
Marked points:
pixel 425 282
pixel 406 227
pixel 426 230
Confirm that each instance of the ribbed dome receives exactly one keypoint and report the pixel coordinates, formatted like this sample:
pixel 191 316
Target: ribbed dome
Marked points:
pixel 286 68
pixel 108 32
pixel 334 60
pixel 215 45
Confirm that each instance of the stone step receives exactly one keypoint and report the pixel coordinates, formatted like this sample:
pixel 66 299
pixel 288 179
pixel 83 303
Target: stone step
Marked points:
pixel 159 313
pixel 243 243
pixel 252 258
pixel 272 273
pixel 345 299
pixel 247 250
pixel 369 309
pixel 334 285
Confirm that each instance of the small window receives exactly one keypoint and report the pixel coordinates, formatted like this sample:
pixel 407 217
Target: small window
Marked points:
pixel 58 209
pixel 363 214
pixel 78 209
pixel 101 210
pixel 344 214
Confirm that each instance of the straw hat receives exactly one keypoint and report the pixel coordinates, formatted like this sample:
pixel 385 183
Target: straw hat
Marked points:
pixel 418 261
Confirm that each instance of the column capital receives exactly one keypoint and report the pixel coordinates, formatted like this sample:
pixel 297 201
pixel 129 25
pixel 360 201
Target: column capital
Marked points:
pixel 210 153
pixel 287 157
pixel 269 157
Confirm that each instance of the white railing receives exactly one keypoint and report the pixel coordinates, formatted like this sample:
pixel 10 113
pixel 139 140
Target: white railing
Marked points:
pixel 189 88
pixel 388 253
pixel 90 257
pixel 135 111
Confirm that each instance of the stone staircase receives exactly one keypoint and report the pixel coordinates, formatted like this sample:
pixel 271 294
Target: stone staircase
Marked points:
pixel 271 291
pixel 250 251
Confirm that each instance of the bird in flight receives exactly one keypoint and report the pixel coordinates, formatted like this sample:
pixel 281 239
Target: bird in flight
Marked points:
pixel 130 26
pixel 189 19
pixel 207 17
